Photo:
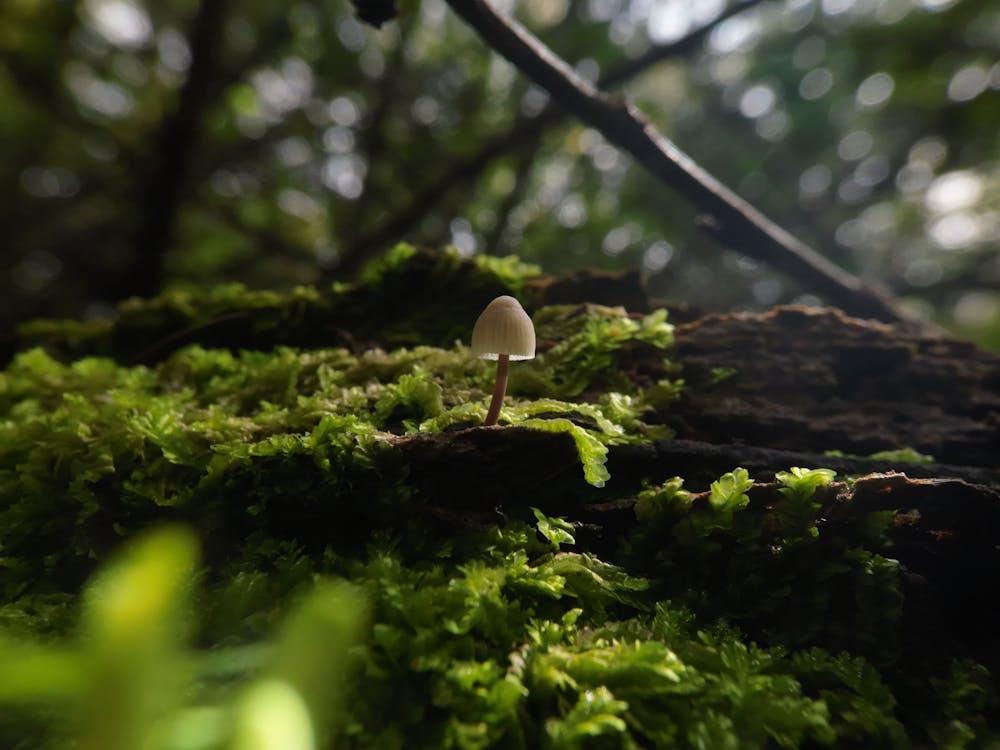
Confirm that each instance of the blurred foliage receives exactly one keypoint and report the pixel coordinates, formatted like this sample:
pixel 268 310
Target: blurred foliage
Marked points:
pixel 127 679
pixel 178 144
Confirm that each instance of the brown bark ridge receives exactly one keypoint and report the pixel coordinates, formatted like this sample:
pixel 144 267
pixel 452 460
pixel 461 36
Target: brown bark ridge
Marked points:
pixel 765 391
pixel 815 380
pixel 944 535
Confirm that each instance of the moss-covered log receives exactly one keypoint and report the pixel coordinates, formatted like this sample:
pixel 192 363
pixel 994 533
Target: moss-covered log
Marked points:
pixel 631 559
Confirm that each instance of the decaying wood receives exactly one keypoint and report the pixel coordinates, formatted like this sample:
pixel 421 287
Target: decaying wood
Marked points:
pixel 483 468
pixel 783 388
pixel 945 535
pixel 767 392
pixel 798 384
pixel 817 380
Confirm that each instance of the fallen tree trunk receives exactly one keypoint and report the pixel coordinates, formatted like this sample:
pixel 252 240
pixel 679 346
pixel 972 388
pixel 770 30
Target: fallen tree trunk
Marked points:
pixel 337 433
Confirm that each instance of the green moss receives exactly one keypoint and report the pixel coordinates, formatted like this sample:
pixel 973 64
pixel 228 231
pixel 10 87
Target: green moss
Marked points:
pixel 797 514
pixel 775 569
pixel 586 343
pixel 410 297
pixel 104 449
pixel 898 456
pixel 511 645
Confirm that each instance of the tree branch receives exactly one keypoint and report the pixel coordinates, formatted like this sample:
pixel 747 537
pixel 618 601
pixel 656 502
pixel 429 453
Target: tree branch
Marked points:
pixel 729 218
pixel 525 132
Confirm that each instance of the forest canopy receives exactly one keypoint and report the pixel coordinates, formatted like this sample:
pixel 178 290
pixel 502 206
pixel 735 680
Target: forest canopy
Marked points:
pixel 177 144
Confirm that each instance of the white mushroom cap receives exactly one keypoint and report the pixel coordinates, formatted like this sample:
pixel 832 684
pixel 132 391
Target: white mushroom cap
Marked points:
pixel 504 328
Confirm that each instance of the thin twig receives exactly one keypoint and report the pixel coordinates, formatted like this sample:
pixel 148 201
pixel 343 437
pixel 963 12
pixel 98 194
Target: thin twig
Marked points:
pixel 525 130
pixel 729 218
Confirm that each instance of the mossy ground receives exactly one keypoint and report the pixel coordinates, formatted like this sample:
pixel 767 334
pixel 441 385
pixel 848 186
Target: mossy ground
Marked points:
pixel 219 547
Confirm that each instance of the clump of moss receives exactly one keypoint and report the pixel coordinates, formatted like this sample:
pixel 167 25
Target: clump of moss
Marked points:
pixel 94 450
pixel 897 456
pixel 776 567
pixel 508 641
pixel 410 297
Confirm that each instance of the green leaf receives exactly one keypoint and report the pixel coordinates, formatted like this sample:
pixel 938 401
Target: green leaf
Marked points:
pixel 30 673
pixel 802 483
pixel 135 624
pixel 312 654
pixel 797 512
pixel 727 493
pixel 593 453
pixel 272 715
pixel 557 530
pixel 669 499
pixel 597 713
pixel 903 456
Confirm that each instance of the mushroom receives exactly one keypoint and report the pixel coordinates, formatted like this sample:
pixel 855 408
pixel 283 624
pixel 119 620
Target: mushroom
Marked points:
pixel 503 332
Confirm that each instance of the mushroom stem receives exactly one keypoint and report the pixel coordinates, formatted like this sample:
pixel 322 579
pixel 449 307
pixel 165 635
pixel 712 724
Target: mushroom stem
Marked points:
pixel 498 391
